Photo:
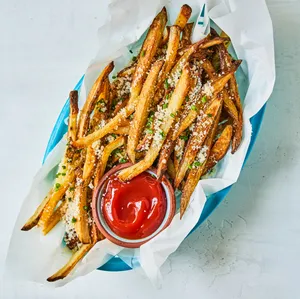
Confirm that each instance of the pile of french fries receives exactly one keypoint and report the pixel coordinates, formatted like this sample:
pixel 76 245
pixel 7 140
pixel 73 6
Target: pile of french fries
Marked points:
pixel 176 107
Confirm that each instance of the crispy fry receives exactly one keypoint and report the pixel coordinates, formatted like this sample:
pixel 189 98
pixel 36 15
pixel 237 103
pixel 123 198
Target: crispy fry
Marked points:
pixel 186 35
pixel 56 196
pixel 75 258
pixel 170 60
pixel 72 127
pixel 184 15
pixel 197 169
pixel 104 158
pixel 81 224
pixel 91 100
pixel 219 149
pixel 147 52
pixel 34 219
pixel 171 169
pixel 174 105
pixel 142 109
pixel 203 126
pixel 56 217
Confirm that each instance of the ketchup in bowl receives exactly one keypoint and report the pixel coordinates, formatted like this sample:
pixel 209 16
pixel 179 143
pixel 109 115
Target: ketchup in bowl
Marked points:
pixel 131 213
pixel 134 209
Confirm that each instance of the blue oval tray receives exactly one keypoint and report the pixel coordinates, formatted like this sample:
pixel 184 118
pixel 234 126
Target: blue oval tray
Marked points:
pixel 116 264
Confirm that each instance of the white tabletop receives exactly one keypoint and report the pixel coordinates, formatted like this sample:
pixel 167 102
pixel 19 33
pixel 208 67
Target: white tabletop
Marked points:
pixel 249 248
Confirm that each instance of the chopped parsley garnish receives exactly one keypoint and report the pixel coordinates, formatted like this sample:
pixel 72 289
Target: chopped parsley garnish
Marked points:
pixel 85 208
pixel 165 106
pixel 166 84
pixel 122 160
pixel 114 77
pixel 187 98
pixel 131 51
pixel 172 115
pixel 71 188
pixel 153 175
pixel 209 115
pixel 190 166
pixel 64 167
pixel 57 186
pixel 150 131
pixel 204 100
pixel 116 151
pixel 57 175
pixel 162 134
pixel 194 108
pixel 180 72
pixel 74 220
pixel 184 137
pixel 63 174
pixel 143 53
pixel 114 135
pixel 70 199
pixel 133 58
pixel 197 164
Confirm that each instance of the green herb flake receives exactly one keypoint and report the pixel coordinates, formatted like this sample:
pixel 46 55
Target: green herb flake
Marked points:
pixel 194 108
pixel 57 186
pixel 114 135
pixel 165 106
pixel 150 131
pixel 143 53
pixel 197 164
pixel 209 115
pixel 172 115
pixel 70 199
pixel 162 134
pixel 122 160
pixel 74 220
pixel 187 98
pixel 64 167
pixel 114 77
pixel 167 85
pixel 85 208
pixel 204 100
pixel 131 51
pixel 184 137
pixel 57 175
pixel 190 166
pixel 63 174
pixel 133 58
pixel 71 188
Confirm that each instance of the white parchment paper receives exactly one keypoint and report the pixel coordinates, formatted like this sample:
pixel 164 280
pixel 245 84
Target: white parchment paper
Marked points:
pixel 34 257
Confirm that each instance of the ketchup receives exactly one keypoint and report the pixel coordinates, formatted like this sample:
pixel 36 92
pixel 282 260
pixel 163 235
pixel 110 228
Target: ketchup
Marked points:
pixel 134 209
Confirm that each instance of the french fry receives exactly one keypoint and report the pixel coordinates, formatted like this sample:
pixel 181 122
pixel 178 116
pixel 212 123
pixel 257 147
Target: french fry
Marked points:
pixel 171 169
pixel 170 60
pixel 197 170
pixel 147 52
pixel 75 258
pixel 100 169
pixel 34 219
pixel 162 130
pixel 55 197
pixel 91 100
pixel 219 149
pixel 81 224
pixel 72 127
pixel 203 126
pixel 142 109
pixel 120 105
pixel 184 15
pixel 55 218
pixel 124 130
pixel 186 35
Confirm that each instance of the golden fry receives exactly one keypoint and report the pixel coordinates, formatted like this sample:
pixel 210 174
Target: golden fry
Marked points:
pixel 72 127
pixel 142 109
pixel 162 130
pixel 184 15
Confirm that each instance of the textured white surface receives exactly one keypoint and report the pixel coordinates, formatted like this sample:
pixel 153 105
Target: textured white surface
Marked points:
pixel 249 248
